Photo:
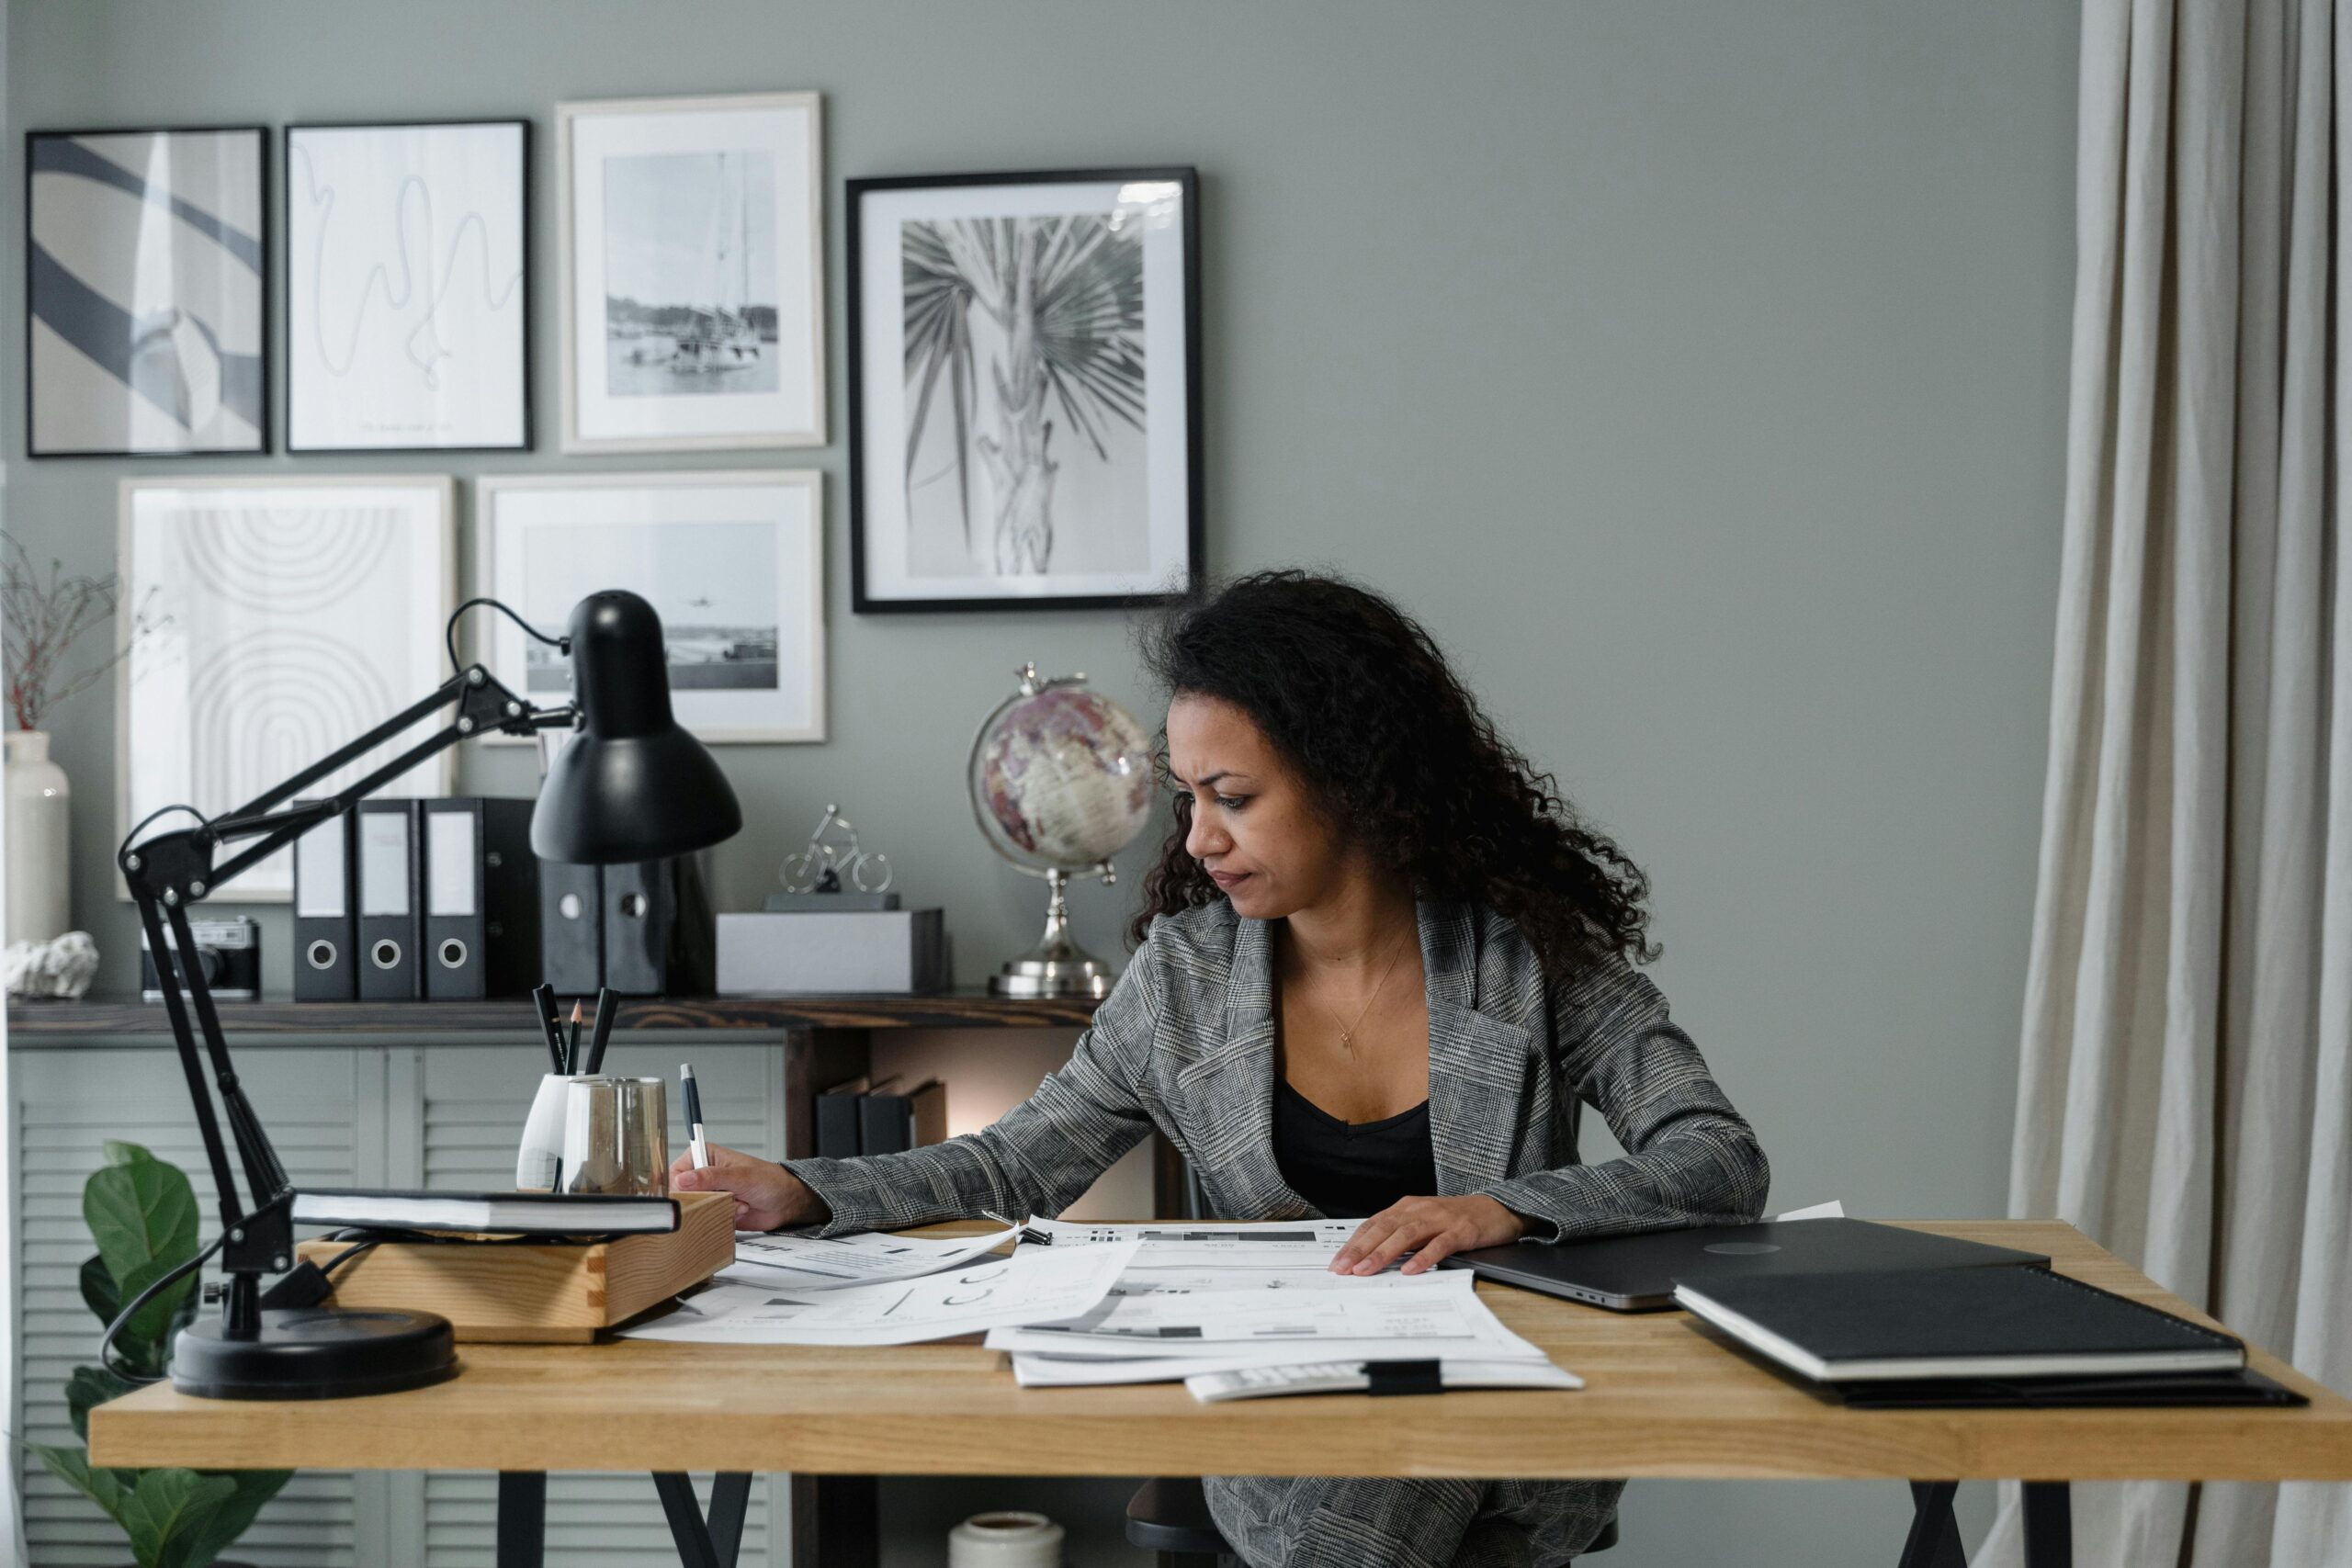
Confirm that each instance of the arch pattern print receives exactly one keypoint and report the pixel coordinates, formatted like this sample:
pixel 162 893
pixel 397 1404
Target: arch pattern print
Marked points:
pixel 288 616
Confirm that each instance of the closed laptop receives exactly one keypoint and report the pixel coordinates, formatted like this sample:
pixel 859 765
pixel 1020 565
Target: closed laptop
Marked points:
pixel 1638 1273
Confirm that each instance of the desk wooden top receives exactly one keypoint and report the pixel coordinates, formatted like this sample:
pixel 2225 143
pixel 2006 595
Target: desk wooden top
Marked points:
pixel 1660 1399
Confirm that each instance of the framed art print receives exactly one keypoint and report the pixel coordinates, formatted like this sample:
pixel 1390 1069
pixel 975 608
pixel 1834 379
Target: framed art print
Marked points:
pixel 147 331
pixel 732 562
pixel 407 292
pixel 691 271
pixel 1024 389
pixel 288 616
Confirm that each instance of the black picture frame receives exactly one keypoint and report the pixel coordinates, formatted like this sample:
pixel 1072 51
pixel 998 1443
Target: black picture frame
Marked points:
pixel 864 601
pixel 523 217
pixel 47 281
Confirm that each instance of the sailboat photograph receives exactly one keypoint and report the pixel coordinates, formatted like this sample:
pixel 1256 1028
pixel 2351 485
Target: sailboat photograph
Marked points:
pixel 689 305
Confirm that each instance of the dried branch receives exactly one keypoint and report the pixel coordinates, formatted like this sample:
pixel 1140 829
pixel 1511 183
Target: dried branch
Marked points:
pixel 43 618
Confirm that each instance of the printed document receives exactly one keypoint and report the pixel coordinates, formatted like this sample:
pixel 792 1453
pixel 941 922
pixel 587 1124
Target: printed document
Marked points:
pixel 824 1263
pixel 1035 1284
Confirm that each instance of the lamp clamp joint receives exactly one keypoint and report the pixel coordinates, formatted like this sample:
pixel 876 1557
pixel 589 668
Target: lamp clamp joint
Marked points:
pixel 261 1241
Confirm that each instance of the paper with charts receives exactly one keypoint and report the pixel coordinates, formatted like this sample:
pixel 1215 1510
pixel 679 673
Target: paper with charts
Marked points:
pixel 1035 1283
pixel 1208 1298
pixel 825 1263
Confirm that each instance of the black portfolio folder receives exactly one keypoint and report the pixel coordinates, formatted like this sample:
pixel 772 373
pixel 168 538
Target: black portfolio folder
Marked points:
pixel 572 927
pixel 894 1116
pixel 391 920
pixel 482 899
pixel 836 1117
pixel 2241 1387
pixel 1916 1325
pixel 326 923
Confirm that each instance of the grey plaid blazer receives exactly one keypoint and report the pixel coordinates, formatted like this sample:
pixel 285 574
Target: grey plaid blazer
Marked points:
pixel 1185 1044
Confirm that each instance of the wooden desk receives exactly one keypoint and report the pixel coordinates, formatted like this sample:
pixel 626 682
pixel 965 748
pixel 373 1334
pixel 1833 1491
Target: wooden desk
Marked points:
pixel 1661 1399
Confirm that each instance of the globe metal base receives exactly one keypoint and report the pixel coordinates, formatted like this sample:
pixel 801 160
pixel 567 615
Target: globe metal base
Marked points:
pixel 1035 977
pixel 315 1353
pixel 1056 966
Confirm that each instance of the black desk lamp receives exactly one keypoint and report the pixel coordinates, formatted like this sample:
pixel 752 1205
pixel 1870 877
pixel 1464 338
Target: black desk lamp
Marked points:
pixel 632 786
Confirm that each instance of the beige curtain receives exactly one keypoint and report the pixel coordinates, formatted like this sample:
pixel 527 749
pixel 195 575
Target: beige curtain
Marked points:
pixel 2185 1092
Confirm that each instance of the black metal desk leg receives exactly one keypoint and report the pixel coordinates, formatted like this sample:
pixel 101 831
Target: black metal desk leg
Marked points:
pixel 521 1518
pixel 730 1499
pixel 1934 1541
pixel 2049 1525
pixel 702 1544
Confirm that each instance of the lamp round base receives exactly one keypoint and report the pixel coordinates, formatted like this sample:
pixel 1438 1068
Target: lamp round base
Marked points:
pixel 315 1353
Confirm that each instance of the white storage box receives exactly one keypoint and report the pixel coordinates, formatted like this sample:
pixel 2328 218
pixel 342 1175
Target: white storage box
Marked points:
pixel 889 951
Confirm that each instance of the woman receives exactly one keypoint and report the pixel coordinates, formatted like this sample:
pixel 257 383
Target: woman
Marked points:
pixel 1380 960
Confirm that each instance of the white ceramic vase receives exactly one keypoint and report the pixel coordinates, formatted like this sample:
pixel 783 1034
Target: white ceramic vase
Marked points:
pixel 40 809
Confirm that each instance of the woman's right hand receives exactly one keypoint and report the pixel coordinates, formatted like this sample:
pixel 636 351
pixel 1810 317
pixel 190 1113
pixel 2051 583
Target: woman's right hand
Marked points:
pixel 768 1196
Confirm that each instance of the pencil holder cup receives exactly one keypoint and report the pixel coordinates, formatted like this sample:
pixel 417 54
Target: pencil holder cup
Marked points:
pixel 615 1136
pixel 539 1158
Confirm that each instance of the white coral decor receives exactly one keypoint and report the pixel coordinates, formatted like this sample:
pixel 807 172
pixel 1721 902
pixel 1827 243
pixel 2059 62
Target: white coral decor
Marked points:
pixel 60 969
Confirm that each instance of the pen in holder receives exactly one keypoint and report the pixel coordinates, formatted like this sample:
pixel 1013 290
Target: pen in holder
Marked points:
pixel 615 1136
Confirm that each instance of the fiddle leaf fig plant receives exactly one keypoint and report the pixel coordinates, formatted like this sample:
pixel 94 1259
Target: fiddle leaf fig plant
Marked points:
pixel 142 1213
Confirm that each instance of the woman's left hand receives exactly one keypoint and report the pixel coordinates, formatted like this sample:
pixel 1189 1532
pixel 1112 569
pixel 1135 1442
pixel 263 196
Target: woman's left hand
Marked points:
pixel 1429 1228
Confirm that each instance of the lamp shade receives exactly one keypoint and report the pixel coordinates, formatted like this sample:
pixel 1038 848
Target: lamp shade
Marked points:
pixel 631 785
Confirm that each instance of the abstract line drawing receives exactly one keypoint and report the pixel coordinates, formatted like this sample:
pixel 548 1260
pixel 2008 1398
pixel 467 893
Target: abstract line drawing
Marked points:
pixel 303 614
pixel 144 292
pixel 406 290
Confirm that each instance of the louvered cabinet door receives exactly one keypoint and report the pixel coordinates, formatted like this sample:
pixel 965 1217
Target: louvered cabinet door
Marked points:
pixel 471 1103
pixel 322 1108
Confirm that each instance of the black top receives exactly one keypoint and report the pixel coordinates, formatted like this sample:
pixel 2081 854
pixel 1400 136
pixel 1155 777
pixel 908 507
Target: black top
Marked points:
pixel 1352 1169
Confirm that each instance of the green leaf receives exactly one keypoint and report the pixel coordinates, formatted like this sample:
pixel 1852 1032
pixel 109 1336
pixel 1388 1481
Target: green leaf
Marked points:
pixel 141 1212
pixel 119 1153
pixel 104 1487
pixel 99 1292
pixel 254 1488
pixel 88 1388
pixel 169 1513
pixel 146 1338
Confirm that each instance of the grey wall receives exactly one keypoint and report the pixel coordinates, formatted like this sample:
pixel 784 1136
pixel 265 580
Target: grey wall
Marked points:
pixel 1697 372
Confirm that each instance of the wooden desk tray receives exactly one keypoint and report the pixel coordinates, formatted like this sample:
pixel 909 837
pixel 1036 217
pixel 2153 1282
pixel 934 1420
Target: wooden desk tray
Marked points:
pixel 533 1294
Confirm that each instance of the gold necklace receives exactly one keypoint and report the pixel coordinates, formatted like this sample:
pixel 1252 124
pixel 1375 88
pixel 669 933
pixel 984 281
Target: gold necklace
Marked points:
pixel 1347 1032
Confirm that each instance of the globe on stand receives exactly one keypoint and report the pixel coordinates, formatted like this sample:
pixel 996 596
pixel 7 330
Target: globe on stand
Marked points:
pixel 1060 777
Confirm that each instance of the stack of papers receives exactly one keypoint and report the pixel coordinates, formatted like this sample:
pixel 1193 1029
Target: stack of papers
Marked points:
pixel 1235 1310
pixel 1205 1302
pixel 881 1289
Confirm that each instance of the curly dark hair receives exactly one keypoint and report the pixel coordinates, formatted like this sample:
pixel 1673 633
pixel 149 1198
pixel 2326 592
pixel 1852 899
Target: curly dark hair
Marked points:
pixel 1352 692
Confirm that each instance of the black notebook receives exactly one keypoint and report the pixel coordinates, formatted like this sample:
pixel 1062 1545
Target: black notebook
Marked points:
pixel 2245 1386
pixel 1914 1325
pixel 518 1214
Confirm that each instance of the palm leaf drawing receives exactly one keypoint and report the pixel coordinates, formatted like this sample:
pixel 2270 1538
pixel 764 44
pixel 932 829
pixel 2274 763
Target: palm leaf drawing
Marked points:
pixel 1084 300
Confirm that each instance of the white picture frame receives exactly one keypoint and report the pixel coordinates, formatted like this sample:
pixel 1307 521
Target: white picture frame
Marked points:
pixel 283 618
pixel 743 549
pixel 408 286
pixel 690 228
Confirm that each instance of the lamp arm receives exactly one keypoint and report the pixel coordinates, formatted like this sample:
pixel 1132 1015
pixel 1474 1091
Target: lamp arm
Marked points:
pixel 167 873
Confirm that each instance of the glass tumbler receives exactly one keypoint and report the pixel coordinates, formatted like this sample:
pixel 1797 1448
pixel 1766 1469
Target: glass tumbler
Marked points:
pixel 615 1136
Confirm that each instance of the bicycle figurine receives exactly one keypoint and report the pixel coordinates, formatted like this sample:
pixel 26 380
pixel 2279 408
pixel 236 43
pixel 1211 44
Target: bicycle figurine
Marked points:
pixel 822 863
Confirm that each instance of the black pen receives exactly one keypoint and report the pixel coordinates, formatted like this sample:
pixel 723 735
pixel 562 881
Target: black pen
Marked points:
pixel 694 1116
pixel 543 1002
pixel 608 1007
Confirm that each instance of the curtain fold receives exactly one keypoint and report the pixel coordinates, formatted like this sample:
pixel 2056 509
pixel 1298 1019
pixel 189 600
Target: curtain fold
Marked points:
pixel 2184 1085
